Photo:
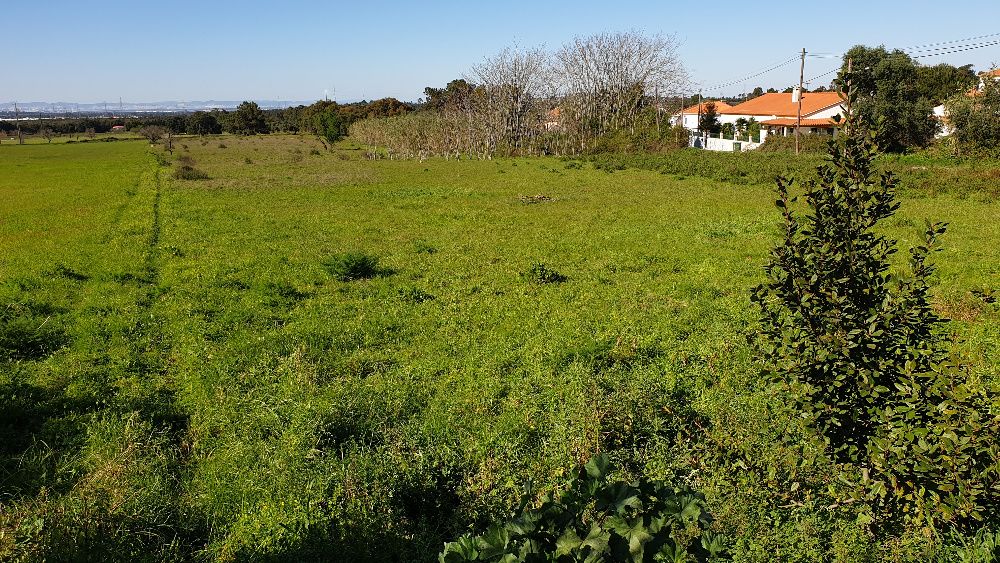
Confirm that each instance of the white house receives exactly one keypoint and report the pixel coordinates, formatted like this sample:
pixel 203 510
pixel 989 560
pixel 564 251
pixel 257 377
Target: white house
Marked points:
pixel 941 112
pixel 688 117
pixel 777 114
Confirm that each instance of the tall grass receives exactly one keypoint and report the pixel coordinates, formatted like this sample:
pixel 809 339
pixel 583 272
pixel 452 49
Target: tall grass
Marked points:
pixel 191 380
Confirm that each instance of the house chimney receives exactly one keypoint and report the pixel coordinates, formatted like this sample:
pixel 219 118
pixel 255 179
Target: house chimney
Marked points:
pixel 796 94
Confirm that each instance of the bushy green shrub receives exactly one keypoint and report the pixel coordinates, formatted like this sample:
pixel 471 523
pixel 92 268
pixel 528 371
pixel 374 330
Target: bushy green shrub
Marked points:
pixel 818 144
pixel 542 274
pixel 350 266
pixel 594 519
pixel 861 354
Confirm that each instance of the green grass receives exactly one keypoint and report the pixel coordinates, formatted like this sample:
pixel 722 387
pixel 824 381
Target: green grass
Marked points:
pixel 205 382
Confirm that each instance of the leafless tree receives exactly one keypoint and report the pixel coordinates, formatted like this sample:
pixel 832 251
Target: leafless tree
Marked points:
pixel 152 132
pixel 507 98
pixel 604 80
pixel 525 101
pixel 47 134
pixel 90 133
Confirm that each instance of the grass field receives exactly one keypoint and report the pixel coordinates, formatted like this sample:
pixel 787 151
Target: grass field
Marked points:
pixel 183 375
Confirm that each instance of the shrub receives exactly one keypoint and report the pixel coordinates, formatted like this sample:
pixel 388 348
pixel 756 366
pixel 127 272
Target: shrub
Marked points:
pixel 861 354
pixel 807 143
pixel 352 266
pixel 189 173
pixel 540 273
pixel 597 520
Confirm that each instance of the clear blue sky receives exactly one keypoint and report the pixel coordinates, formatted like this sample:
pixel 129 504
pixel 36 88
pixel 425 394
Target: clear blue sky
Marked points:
pixel 96 50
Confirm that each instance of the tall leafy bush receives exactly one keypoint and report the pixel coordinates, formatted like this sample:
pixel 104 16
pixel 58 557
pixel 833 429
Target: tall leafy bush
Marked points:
pixel 861 353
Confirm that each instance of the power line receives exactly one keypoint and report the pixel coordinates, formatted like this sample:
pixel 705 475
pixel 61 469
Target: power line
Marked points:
pixel 939 48
pixel 958 49
pixel 935 50
pixel 824 74
pixel 920 47
pixel 755 75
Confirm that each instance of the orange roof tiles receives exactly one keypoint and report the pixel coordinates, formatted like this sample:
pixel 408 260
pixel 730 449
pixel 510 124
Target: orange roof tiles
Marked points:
pixel 720 107
pixel 780 104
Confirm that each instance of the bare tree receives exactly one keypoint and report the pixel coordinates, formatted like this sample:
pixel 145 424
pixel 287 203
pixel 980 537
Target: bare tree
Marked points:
pixel 507 101
pixel 605 80
pixel 152 132
pixel 47 133
pixel 90 133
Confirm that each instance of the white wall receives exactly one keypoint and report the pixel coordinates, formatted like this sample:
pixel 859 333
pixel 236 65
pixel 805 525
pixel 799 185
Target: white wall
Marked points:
pixel 826 113
pixel 726 145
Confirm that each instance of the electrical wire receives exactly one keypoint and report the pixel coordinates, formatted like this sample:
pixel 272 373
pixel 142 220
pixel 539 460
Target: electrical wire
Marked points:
pixel 755 75
pixel 919 48
pixel 958 49
pixel 937 49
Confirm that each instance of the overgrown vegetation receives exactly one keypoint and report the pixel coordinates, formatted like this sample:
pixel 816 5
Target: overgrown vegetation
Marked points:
pixel 191 381
pixel 861 354
pixel 974 117
pixel 593 519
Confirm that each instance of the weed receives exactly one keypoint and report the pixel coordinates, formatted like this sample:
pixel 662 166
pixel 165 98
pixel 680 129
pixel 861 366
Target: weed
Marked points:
pixel 424 247
pixel 529 199
pixel 542 274
pixel 189 173
pixel 351 266
pixel 415 295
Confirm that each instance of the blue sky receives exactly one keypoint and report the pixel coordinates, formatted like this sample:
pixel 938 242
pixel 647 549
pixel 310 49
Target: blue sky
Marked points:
pixel 96 50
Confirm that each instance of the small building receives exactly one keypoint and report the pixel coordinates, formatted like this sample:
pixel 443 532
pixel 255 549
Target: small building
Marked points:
pixel 688 117
pixel 777 114
pixel 940 111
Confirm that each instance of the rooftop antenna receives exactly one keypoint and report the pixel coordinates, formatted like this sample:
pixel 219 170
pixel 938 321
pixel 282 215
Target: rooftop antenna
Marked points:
pixel 326 95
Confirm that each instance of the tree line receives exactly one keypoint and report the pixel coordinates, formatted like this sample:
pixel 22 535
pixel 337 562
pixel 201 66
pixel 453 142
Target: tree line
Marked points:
pixel 325 118
pixel 597 91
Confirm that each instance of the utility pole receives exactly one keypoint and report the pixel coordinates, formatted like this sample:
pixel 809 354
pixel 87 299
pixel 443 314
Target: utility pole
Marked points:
pixel 849 65
pixel 798 119
pixel 17 120
pixel 698 125
pixel 656 90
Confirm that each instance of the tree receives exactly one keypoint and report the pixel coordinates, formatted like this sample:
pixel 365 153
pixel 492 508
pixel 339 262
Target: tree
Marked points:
pixel 47 133
pixel 152 133
pixel 248 119
pixel 90 133
pixel 861 355
pixel 939 82
pixel 456 94
pixel 976 119
pixel 757 92
pixel 605 80
pixel 203 123
pixel 512 82
pixel 709 121
pixel 329 125
pixel 889 97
